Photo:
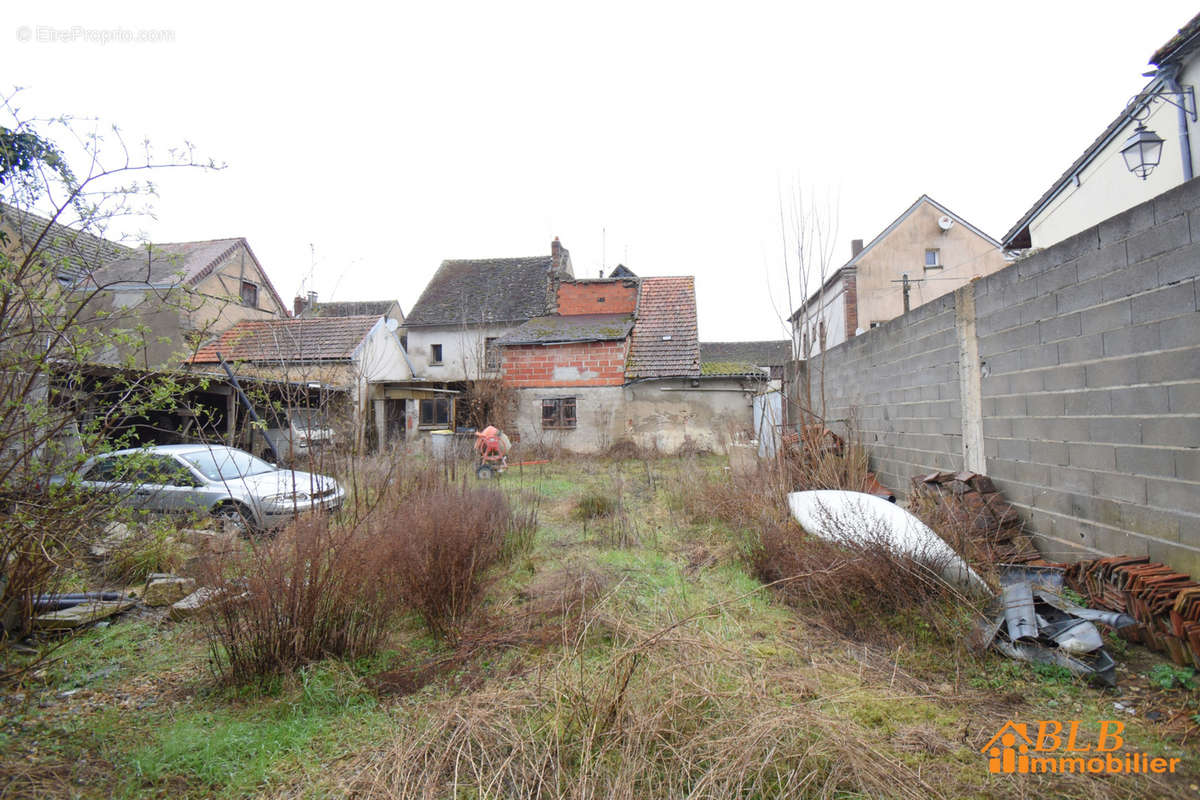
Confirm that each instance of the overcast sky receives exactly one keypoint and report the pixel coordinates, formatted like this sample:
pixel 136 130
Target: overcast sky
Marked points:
pixel 366 144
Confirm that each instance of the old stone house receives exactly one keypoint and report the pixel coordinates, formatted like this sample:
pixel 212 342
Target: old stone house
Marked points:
pixel 619 360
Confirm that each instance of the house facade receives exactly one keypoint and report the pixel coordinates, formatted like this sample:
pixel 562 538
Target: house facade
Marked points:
pixel 358 356
pixel 173 297
pixel 1099 185
pixel 935 248
pixel 619 360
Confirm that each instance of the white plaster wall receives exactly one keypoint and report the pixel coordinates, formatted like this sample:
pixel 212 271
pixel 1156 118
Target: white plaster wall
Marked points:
pixel 830 306
pixel 462 351
pixel 598 409
pixel 1107 187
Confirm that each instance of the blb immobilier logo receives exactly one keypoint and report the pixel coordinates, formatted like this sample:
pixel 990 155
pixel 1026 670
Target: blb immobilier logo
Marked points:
pixel 1068 746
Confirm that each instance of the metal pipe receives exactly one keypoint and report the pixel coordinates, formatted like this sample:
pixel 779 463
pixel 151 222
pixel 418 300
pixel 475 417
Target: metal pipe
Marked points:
pixel 1185 140
pixel 250 408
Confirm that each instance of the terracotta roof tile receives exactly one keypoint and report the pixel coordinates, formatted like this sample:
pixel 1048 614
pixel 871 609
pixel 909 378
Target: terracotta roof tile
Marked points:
pixel 665 342
pixel 289 340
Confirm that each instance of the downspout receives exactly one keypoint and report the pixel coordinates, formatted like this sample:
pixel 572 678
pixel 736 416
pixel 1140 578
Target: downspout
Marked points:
pixel 1170 74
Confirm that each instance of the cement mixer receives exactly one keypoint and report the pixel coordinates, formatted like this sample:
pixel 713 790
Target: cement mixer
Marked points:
pixel 492 445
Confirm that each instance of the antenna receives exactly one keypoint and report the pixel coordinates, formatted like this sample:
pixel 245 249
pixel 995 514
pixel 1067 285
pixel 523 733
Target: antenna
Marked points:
pixel 603 249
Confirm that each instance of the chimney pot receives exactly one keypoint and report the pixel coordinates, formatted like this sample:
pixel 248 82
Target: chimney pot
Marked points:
pixel 856 247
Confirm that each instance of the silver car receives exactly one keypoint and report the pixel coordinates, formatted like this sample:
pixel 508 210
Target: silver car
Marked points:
pixel 222 481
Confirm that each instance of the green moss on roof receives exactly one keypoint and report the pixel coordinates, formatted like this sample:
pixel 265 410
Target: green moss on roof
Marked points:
pixel 729 368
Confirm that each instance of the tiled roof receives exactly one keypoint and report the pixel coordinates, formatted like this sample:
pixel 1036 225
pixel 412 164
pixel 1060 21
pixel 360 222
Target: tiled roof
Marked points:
pixel 289 340
pixel 1177 41
pixel 571 328
pixel 71 252
pixel 622 271
pixel 665 343
pixel 774 353
pixel 179 264
pixel 351 308
pixel 489 290
pixel 731 369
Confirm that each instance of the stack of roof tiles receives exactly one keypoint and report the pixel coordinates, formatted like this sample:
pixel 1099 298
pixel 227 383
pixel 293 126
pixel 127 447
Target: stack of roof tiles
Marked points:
pixel 1165 603
pixel 302 339
pixel 971 499
pixel 665 343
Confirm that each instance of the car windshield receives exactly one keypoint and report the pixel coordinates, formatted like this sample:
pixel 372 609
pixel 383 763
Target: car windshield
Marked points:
pixel 305 417
pixel 226 465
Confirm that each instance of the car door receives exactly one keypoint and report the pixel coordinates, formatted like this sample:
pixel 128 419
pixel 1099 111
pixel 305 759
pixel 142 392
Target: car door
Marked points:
pixel 164 484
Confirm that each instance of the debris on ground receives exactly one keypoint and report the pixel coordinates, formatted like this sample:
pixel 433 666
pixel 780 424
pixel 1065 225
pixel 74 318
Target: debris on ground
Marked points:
pixel 116 535
pixel 970 500
pixel 1035 623
pixel 857 518
pixel 194 603
pixel 1164 603
pixel 84 613
pixel 814 443
pixel 165 590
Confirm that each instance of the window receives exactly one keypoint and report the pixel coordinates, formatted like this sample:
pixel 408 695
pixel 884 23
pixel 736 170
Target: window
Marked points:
pixel 491 353
pixel 933 259
pixel 435 411
pixel 876 324
pixel 558 413
pixel 435 354
pixel 249 294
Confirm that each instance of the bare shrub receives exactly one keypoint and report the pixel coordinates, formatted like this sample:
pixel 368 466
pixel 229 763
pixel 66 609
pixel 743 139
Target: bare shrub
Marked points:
pixel 315 591
pixel 152 547
pixel 445 539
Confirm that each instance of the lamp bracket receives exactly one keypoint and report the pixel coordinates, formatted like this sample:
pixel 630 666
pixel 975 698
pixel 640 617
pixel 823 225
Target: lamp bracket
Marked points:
pixel 1184 100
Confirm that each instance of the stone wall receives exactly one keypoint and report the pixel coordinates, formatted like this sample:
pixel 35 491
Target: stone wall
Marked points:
pixel 1077 372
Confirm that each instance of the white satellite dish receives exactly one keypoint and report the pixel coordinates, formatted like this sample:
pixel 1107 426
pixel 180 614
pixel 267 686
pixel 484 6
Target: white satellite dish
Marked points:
pixel 945 223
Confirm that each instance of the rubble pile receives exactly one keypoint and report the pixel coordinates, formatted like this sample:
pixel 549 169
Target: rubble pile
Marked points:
pixel 1165 603
pixel 971 500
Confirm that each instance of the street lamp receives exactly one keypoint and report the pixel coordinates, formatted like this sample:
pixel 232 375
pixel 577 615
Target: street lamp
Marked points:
pixel 1142 151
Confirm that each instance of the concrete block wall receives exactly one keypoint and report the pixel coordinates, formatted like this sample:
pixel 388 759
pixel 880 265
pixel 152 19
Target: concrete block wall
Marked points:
pixel 1089 370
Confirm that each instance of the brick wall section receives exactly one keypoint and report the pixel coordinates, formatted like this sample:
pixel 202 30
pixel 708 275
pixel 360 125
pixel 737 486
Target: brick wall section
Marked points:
pixel 1090 354
pixel 597 297
pixel 574 364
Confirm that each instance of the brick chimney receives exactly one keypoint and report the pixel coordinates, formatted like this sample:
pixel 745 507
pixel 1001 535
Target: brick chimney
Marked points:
pixel 560 259
pixel 856 247
pixel 301 304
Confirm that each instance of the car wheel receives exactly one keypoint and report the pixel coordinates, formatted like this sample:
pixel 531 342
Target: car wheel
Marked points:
pixel 234 515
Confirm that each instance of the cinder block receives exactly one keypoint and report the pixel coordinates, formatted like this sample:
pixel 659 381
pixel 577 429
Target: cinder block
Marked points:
pixel 1180 332
pixel 1175 202
pixel 1142 400
pixel 1174 431
pixel 1169 235
pixel 1181 558
pixel 1178 265
pixel 1027 382
pixel 1118 430
pixel 1083 295
pixel 1127 223
pixel 1124 488
pixel 1065 326
pixel 1132 340
pixel 1184 398
pixel 1155 461
pixel 1052 280
pixel 1011 449
pixel 1045 405
pixel 1112 372
pixel 1132 280
pixel 1107 317
pixel 1039 308
pixel 1187 465
pixel 1073 247
pixel 1071 480
pixel 1065 377
pixel 1101 262
pixel 1095 457
pixel 1051 453
pixel 1173 365
pixel 1082 348
pixel 1091 403
pixel 1120 542
pixel 1044 355
pixel 1177 300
